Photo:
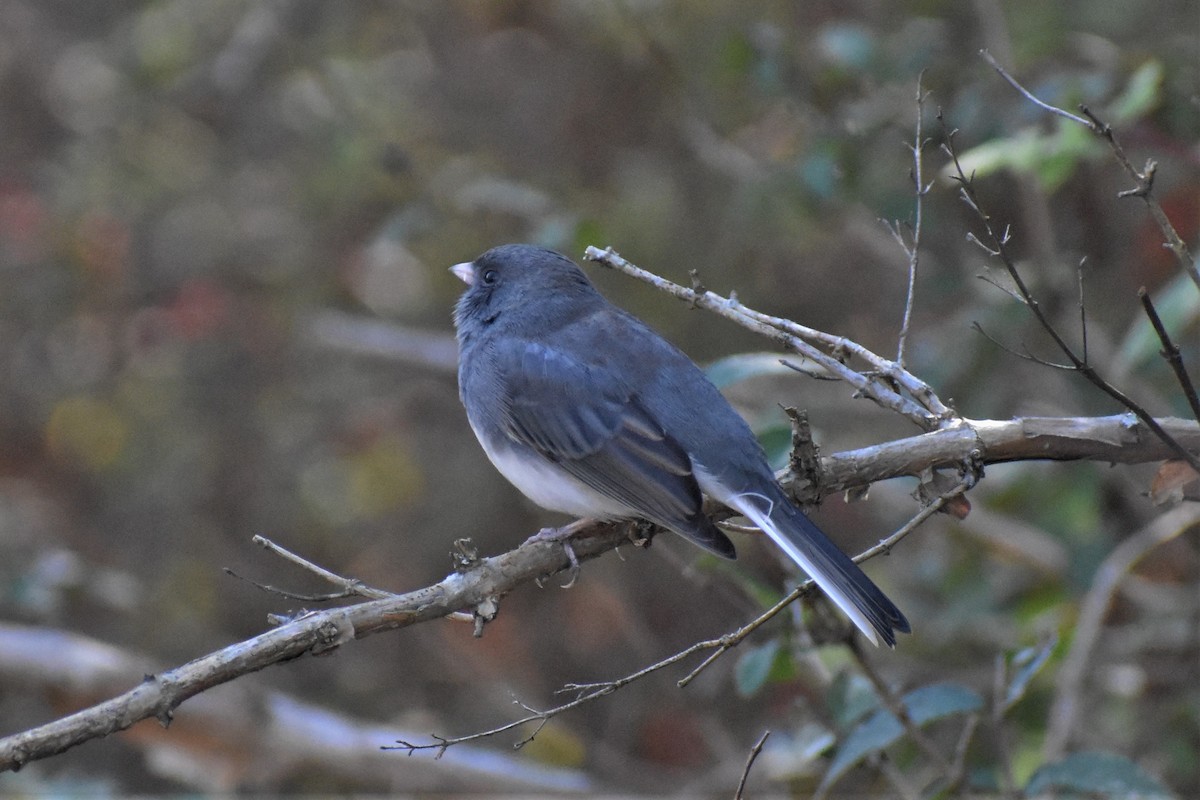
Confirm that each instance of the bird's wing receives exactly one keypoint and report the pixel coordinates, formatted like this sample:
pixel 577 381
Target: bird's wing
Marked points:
pixel 588 421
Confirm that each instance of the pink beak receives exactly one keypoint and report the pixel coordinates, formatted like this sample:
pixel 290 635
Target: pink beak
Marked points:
pixel 465 272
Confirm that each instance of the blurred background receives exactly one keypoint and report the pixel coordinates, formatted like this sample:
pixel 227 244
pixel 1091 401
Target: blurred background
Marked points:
pixel 225 311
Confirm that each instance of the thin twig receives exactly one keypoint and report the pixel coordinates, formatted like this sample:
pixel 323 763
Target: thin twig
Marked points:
pixel 754 751
pixel 1030 96
pixel 958 766
pixel 1023 354
pixel 921 405
pixel 997 244
pixel 1082 311
pixel 999 730
pixel 327 597
pixel 884 546
pixel 1171 353
pixel 913 248
pixel 1143 179
pixel 350 587
pixel 903 789
pixel 898 710
pixel 1114 439
pixel 157 696
pixel 585 693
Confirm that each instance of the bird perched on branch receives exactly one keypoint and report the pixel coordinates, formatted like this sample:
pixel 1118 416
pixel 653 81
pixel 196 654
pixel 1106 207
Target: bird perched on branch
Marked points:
pixel 588 411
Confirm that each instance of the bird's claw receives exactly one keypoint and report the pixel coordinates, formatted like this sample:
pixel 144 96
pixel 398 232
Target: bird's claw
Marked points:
pixel 561 536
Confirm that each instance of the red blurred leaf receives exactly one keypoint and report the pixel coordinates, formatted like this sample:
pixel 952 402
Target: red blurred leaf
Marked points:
pixel 199 309
pixel 1175 480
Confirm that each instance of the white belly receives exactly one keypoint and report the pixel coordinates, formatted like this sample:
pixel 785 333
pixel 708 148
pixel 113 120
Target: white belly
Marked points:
pixel 550 486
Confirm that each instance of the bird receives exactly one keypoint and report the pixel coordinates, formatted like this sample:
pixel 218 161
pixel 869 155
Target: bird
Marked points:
pixel 588 411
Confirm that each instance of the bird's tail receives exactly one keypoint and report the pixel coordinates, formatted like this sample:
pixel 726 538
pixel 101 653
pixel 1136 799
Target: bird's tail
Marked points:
pixel 840 578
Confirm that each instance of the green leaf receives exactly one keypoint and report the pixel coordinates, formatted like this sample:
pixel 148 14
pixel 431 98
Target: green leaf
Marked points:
pixel 882 729
pixel 1051 158
pixel 589 232
pixel 776 441
pixel 878 732
pixel 1096 774
pixel 941 700
pixel 1017 152
pixel 737 368
pixel 754 667
pixel 796 756
pixel 737 54
pixel 851 698
pixel 1027 662
pixel 1065 149
pixel 1142 94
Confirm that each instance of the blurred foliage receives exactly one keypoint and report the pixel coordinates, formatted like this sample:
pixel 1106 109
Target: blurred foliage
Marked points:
pixel 183 185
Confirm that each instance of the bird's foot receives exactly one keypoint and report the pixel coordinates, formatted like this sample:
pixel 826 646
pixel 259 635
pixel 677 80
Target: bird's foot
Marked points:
pixel 562 536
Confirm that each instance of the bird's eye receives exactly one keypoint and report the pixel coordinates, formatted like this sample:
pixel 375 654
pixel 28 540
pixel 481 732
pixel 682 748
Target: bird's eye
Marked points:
pixel 490 277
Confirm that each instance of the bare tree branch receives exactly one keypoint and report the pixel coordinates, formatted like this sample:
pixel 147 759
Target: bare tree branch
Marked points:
pixel 1171 353
pixel 1118 439
pixel 251 733
pixel 997 245
pixel 308 633
pixel 919 402
pixel 754 751
pixel 350 333
pixel 912 248
pixel 1144 179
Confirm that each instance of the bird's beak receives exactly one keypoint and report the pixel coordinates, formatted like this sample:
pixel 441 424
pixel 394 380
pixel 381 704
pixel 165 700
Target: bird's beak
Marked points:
pixel 465 272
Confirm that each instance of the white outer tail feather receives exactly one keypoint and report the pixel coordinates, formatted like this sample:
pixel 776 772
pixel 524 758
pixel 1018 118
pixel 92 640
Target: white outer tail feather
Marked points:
pixel 750 510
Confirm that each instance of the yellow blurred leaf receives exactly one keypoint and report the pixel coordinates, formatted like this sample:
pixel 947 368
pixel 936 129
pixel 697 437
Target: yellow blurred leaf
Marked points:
pixel 383 477
pixel 88 430
pixel 556 745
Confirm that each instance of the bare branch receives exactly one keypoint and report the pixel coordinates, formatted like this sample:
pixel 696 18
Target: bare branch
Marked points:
pixel 913 250
pixel 1144 180
pixel 1171 353
pixel 884 546
pixel 350 586
pixel 921 405
pixel 754 751
pixel 588 692
pixel 997 243
pixel 1082 310
pixel 1024 353
pixel 1028 95
pixel 359 335
pixel 287 594
pixel 1118 439
pixel 898 710
pixel 246 733
pixel 157 696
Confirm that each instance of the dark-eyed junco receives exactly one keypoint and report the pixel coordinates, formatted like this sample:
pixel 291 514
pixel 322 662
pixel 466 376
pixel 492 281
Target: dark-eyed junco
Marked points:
pixel 588 411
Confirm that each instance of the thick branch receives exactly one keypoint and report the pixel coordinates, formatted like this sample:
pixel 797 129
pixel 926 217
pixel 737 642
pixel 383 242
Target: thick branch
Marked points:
pixel 1118 439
